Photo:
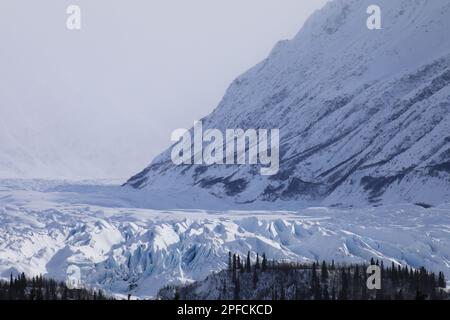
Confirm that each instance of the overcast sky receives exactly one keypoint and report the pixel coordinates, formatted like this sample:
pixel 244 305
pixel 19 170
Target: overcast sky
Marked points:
pixel 111 94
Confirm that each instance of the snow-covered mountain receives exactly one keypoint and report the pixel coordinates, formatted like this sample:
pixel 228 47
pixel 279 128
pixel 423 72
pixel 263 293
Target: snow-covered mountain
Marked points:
pixel 59 231
pixel 364 114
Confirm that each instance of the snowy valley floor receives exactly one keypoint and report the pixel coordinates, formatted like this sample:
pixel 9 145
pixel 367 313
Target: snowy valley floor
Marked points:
pixel 97 234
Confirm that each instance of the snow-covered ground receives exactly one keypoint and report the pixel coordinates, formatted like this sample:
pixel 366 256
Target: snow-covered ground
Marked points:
pixel 97 233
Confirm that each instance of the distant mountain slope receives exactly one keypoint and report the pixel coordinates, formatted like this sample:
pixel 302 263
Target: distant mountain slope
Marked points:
pixel 364 115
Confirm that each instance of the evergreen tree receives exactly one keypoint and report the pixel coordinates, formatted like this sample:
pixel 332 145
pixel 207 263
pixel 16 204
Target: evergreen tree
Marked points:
pixel 241 265
pixel 324 272
pixel 317 291
pixel 344 283
pixel 248 265
pixel 234 268
pixel 264 263
pixel 10 291
pixel 237 290
pixel 441 280
pixel 255 278
pixel 297 292
pixel 364 292
pixel 315 284
pixel 47 293
pixel 326 294
pixel 394 275
pixel 257 264
pixel 356 283
pixel 224 288
pixel 313 273
pixel 282 293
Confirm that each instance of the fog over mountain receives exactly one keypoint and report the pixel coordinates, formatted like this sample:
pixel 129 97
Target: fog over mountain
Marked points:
pixel 101 102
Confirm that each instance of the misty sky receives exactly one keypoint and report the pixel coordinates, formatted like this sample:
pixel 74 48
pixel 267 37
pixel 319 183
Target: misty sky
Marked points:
pixel 102 102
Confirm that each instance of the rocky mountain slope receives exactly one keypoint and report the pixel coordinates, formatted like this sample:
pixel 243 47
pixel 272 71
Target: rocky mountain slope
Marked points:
pixel 364 115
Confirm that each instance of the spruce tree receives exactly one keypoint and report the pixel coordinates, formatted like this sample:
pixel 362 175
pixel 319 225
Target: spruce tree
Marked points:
pixel 11 288
pixel 257 264
pixel 313 273
pixel 356 283
pixel 441 280
pixel 234 268
pixel 248 264
pixel 264 263
pixel 344 286
pixel 394 275
pixel 224 288
pixel 255 278
pixel 282 293
pixel 324 272
pixel 326 294
pixel 237 290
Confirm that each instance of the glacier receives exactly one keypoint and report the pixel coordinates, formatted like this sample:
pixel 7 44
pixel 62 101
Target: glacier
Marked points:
pixel 59 230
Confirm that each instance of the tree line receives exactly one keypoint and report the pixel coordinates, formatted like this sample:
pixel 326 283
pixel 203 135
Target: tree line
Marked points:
pixel 330 281
pixel 40 288
pixel 262 279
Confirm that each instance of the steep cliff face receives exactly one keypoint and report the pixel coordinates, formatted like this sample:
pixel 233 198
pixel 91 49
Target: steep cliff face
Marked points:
pixel 364 115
